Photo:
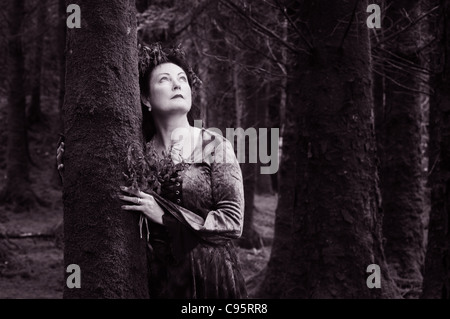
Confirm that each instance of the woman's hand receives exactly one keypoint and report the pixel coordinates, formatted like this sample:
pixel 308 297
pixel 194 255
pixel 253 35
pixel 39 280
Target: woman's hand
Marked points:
pixel 143 202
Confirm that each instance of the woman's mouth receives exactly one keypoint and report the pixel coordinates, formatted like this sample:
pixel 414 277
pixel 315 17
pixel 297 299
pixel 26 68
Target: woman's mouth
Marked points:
pixel 177 96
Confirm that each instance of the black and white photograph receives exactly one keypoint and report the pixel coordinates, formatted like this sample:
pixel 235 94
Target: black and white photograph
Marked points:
pixel 232 151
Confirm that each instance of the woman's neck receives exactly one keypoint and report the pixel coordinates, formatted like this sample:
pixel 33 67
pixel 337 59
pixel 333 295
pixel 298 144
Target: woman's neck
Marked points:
pixel 164 130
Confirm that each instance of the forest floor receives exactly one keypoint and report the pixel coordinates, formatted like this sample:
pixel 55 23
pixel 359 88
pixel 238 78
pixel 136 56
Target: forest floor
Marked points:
pixel 32 268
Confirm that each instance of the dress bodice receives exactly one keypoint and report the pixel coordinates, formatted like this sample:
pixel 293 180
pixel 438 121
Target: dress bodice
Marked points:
pixel 172 189
pixel 191 253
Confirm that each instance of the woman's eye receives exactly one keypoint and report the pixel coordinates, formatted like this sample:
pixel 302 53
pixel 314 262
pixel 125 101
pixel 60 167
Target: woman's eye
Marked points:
pixel 164 78
pixel 183 78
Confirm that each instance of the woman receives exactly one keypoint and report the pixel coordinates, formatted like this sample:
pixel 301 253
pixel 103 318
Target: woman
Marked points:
pixel 194 202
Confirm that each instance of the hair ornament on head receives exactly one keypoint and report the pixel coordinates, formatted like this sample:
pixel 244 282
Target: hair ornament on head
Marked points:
pixel 153 55
pixel 150 56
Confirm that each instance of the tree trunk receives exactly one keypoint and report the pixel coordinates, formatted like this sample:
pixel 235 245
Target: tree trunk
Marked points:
pixel 436 282
pixel 34 111
pixel 264 181
pixel 282 97
pixel 250 237
pixel 329 182
pixel 102 118
pixel 219 111
pixel 274 281
pixel 246 109
pixel 61 37
pixel 62 30
pixel 17 188
pixel 401 167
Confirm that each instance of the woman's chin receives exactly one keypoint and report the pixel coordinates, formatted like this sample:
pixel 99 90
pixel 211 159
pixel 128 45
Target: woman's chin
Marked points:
pixel 175 109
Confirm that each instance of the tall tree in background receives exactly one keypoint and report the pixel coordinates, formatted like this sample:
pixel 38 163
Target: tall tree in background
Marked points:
pixel 220 93
pixel 34 112
pixel 248 103
pixel 274 275
pixel 17 187
pixel 102 118
pixel 61 43
pixel 263 99
pixel 267 100
pixel 4 30
pixel 58 126
pixel 62 30
pixel 329 147
pixel 399 143
pixel 246 110
pixel 281 100
pixel 436 282
pixel 254 77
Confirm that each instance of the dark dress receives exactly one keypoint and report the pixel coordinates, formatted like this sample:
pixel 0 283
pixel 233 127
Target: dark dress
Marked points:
pixel 192 255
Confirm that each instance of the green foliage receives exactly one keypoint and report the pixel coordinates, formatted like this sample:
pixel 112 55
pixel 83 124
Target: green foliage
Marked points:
pixel 147 171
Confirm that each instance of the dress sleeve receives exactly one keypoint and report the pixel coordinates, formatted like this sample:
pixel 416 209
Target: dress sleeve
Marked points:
pixel 225 220
pixel 227 217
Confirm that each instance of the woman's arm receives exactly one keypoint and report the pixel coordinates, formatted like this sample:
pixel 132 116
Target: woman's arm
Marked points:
pixel 228 194
pixel 227 217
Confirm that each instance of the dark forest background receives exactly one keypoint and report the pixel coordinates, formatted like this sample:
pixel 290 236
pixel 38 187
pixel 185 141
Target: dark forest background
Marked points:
pixel 364 120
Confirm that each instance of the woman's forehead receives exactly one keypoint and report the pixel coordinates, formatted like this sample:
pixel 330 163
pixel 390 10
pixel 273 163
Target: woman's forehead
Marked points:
pixel 168 67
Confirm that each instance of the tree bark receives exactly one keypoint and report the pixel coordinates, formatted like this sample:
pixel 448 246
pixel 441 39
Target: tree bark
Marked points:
pixel 329 182
pixel 102 118
pixel 274 281
pixel 34 111
pixel 264 181
pixel 17 188
pixel 246 108
pixel 402 185
pixel 436 282
pixel 58 126
pixel 62 30
pixel 282 95
pixel 219 87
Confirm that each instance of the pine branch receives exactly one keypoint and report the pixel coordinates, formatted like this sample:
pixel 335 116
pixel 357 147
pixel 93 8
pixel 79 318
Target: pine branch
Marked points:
pixel 284 11
pixel 399 84
pixel 405 61
pixel 263 28
pixel 193 16
pixel 253 48
pixel 409 25
pixel 349 24
pixel 280 64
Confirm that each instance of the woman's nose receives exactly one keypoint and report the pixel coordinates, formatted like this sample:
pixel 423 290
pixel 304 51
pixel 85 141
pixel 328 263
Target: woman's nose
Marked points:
pixel 176 85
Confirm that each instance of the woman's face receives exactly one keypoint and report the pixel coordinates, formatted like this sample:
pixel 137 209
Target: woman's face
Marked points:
pixel 170 91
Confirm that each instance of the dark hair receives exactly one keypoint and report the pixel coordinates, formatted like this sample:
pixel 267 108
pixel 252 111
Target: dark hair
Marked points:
pixel 150 56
